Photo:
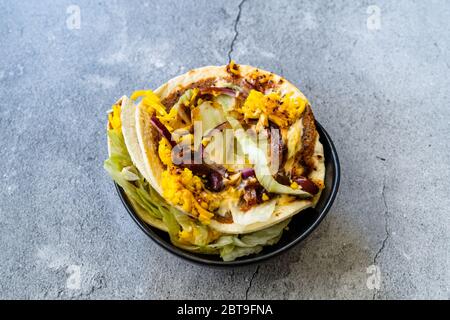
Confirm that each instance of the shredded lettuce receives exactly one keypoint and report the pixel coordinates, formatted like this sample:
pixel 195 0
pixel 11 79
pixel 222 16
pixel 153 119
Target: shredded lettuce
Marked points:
pixel 230 252
pixel 232 86
pixel 209 116
pixel 187 97
pixel 259 160
pixel 230 247
pixel 235 246
pixel 228 103
pixel 120 159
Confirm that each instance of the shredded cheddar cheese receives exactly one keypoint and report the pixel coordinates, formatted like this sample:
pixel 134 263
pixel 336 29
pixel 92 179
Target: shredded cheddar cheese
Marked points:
pixel 114 118
pixel 179 188
pixel 174 191
pixel 254 105
pixel 186 236
pixel 165 152
pixel 191 235
pixel 281 110
pixel 150 100
pixel 233 68
pixel 190 181
pixel 169 119
pixel 192 98
pixel 204 216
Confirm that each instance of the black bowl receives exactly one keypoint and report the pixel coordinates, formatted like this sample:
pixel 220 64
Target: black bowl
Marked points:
pixel 300 226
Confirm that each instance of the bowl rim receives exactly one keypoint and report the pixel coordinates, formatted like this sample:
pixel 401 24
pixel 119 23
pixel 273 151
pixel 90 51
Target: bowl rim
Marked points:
pixel 251 259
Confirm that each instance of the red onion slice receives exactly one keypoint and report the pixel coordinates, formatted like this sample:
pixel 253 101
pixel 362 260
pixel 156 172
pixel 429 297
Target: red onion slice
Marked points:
pixel 247 173
pixel 163 131
pixel 215 181
pixel 307 185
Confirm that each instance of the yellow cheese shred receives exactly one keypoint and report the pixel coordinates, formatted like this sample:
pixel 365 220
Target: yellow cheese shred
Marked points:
pixel 114 118
pixel 282 110
pixel 150 100
pixel 179 188
pixel 165 152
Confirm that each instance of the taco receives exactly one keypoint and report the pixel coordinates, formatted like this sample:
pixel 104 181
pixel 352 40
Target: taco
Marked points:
pixel 221 157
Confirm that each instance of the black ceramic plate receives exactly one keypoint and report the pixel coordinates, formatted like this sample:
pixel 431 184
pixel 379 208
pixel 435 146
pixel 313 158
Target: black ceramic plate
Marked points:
pixel 300 226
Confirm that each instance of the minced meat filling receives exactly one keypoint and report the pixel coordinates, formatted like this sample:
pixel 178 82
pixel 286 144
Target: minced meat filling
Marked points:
pixel 308 138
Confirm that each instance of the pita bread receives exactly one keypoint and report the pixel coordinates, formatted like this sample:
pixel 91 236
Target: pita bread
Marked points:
pixel 147 138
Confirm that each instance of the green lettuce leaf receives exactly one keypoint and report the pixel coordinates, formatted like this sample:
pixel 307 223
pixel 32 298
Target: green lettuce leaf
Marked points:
pixel 230 247
pixel 252 243
pixel 259 160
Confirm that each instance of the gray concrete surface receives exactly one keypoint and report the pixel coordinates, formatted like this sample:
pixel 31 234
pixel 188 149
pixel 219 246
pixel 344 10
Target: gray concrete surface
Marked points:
pixel 383 95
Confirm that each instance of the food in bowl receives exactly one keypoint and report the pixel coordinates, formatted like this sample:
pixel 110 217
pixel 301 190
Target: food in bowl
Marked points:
pixel 220 158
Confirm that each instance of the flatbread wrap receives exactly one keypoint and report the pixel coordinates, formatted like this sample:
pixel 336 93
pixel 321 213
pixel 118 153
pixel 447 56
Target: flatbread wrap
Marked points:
pixel 220 157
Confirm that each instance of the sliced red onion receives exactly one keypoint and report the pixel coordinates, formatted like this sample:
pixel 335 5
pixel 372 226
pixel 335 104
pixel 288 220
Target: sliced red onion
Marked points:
pixel 250 196
pixel 247 173
pixel 307 185
pixel 215 181
pixel 282 179
pixel 214 173
pixel 227 91
pixel 246 88
pixel 162 130
pixel 197 169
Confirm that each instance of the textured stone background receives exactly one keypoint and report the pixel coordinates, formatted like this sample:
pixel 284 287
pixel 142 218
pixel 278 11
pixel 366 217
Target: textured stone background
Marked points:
pixel 383 95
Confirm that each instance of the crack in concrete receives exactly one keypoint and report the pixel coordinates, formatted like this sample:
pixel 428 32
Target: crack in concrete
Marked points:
pixel 251 282
pixel 236 32
pixel 440 53
pixel 386 229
